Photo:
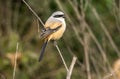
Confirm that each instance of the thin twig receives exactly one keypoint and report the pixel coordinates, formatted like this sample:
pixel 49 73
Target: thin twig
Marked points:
pixel 116 14
pixel 97 43
pixel 86 50
pixel 33 12
pixel 94 62
pixel 71 67
pixel 15 61
pixel 38 26
pixel 62 57
pixel 105 30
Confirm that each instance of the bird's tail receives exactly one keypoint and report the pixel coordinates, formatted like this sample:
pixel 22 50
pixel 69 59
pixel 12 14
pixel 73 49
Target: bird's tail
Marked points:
pixel 42 50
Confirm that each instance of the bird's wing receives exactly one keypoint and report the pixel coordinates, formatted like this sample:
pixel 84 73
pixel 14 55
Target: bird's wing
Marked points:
pixel 50 27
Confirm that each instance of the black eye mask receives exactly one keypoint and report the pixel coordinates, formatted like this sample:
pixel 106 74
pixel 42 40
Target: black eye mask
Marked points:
pixel 57 16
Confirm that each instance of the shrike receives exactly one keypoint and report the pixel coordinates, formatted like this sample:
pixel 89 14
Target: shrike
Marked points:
pixel 53 29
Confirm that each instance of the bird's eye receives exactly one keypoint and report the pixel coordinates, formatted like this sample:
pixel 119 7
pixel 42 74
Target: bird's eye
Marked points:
pixel 57 16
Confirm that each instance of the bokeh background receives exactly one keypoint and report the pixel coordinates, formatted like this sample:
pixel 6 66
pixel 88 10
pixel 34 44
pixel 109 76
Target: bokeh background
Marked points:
pixel 92 34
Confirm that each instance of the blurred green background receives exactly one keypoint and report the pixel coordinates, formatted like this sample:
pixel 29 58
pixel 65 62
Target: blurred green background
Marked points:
pixel 92 34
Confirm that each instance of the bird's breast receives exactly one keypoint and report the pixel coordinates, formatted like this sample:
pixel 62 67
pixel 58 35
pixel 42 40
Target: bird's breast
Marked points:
pixel 58 34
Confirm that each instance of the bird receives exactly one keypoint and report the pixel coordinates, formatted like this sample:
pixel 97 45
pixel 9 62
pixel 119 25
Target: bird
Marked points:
pixel 54 29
